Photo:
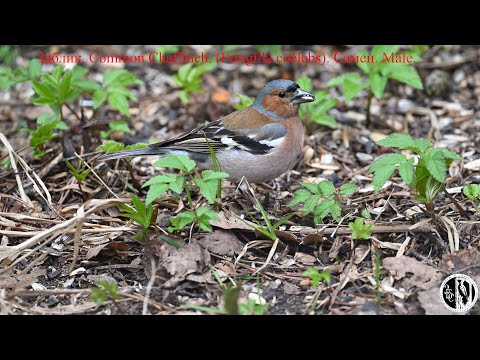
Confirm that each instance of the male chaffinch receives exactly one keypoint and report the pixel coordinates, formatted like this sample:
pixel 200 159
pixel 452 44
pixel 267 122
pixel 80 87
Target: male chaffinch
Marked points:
pixel 260 142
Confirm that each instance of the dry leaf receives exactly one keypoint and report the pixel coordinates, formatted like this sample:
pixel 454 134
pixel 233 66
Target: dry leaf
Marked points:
pixel 424 276
pixel 222 242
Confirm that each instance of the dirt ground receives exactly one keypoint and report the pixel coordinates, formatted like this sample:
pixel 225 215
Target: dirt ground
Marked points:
pixel 412 254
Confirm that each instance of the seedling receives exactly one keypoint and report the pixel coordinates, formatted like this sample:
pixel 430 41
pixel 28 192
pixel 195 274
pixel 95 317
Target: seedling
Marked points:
pixel 80 173
pixel 360 230
pixel 472 192
pixel 111 146
pixel 427 177
pixel 105 290
pixel 317 111
pixel 322 199
pixel 189 77
pixel 45 132
pixel 385 68
pixel 316 277
pixel 141 213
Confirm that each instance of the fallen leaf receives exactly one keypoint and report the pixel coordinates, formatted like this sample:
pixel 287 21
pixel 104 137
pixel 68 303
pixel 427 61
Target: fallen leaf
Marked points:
pixel 222 242
pixel 305 258
pixel 228 221
pixel 423 276
pixel 361 252
pixel 21 281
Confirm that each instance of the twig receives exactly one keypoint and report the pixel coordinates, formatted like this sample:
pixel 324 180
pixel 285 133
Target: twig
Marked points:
pixel 73 112
pixel 78 234
pixel 457 205
pixel 149 287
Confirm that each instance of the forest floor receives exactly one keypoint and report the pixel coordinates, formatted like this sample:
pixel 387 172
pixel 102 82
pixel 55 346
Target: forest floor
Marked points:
pixel 397 271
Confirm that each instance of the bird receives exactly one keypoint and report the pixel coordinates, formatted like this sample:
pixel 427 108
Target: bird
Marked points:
pixel 259 142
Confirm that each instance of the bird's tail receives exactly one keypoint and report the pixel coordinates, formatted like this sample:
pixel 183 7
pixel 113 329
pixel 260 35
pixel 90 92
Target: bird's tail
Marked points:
pixel 131 153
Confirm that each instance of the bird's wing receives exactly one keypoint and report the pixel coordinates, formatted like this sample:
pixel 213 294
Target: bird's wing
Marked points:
pixel 225 134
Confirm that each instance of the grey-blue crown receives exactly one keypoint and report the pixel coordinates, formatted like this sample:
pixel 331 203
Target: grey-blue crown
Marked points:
pixel 275 84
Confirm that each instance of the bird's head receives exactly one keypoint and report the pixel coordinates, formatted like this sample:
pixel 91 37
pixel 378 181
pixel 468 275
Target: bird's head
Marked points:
pixel 281 98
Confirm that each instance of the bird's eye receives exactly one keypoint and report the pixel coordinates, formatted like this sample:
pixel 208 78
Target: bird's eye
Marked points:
pixel 281 94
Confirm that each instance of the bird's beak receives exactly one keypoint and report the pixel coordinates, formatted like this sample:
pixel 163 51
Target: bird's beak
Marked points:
pixel 301 97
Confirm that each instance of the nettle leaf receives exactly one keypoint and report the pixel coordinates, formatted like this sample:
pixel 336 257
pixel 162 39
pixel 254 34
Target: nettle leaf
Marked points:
pixel 352 85
pixel 421 145
pixel 435 163
pixel 381 177
pixel 325 120
pixel 336 211
pixel 43 90
pixel 161 179
pixel 360 230
pixel 155 191
pixel 348 189
pixel 181 220
pixel 406 171
pixel 391 159
pixel 380 51
pixel 34 68
pixel 377 84
pixel 204 215
pixel 310 204
pixel 121 126
pixel 314 188
pixel 472 191
pixel 299 196
pixel 119 102
pixel 99 97
pixel 305 83
pixel 397 140
pixel 180 162
pixel 111 146
pixel 208 184
pixel 404 73
pixel 449 154
pixel 364 66
pixel 327 188
pixel 322 210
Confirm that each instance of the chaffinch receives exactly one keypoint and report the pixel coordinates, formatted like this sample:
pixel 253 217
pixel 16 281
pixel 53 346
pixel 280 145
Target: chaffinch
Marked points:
pixel 260 142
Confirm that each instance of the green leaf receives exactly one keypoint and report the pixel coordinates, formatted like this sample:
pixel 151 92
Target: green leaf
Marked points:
pixel 204 215
pixel 120 126
pixel 119 102
pixel 435 163
pixel 352 85
pixel 365 67
pixel 449 154
pixel 472 191
pixel 322 210
pixel 34 68
pixel 421 145
pixel 64 87
pixel 180 162
pixel 57 72
pixel 314 188
pixel 155 191
pixel 310 204
pixel 397 140
pixel 348 189
pixel 327 188
pixel 181 220
pixel 379 51
pixel 111 146
pixel 43 90
pixel 405 73
pixel 377 84
pixel 177 185
pixel 381 176
pixel 99 97
pixel 360 230
pixel 245 101
pixel 283 220
pixel 419 49
pixel 86 84
pixel 391 159
pixel 325 120
pixel 406 171
pixel 336 211
pixel 300 196
pixel 316 276
pixel 305 83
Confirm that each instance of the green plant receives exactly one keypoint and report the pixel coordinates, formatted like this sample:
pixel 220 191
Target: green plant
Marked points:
pixel 189 77
pixel 103 291
pixel 316 111
pixel 140 213
pixel 116 126
pixel 169 49
pixel 380 66
pixel 45 132
pixel 245 101
pixel 79 173
pixel 273 49
pixel 115 90
pixel 207 183
pixel 472 192
pixel 316 277
pixel 10 77
pixel 427 177
pixel 360 230
pixel 8 54
pixel 111 146
pixel 322 199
